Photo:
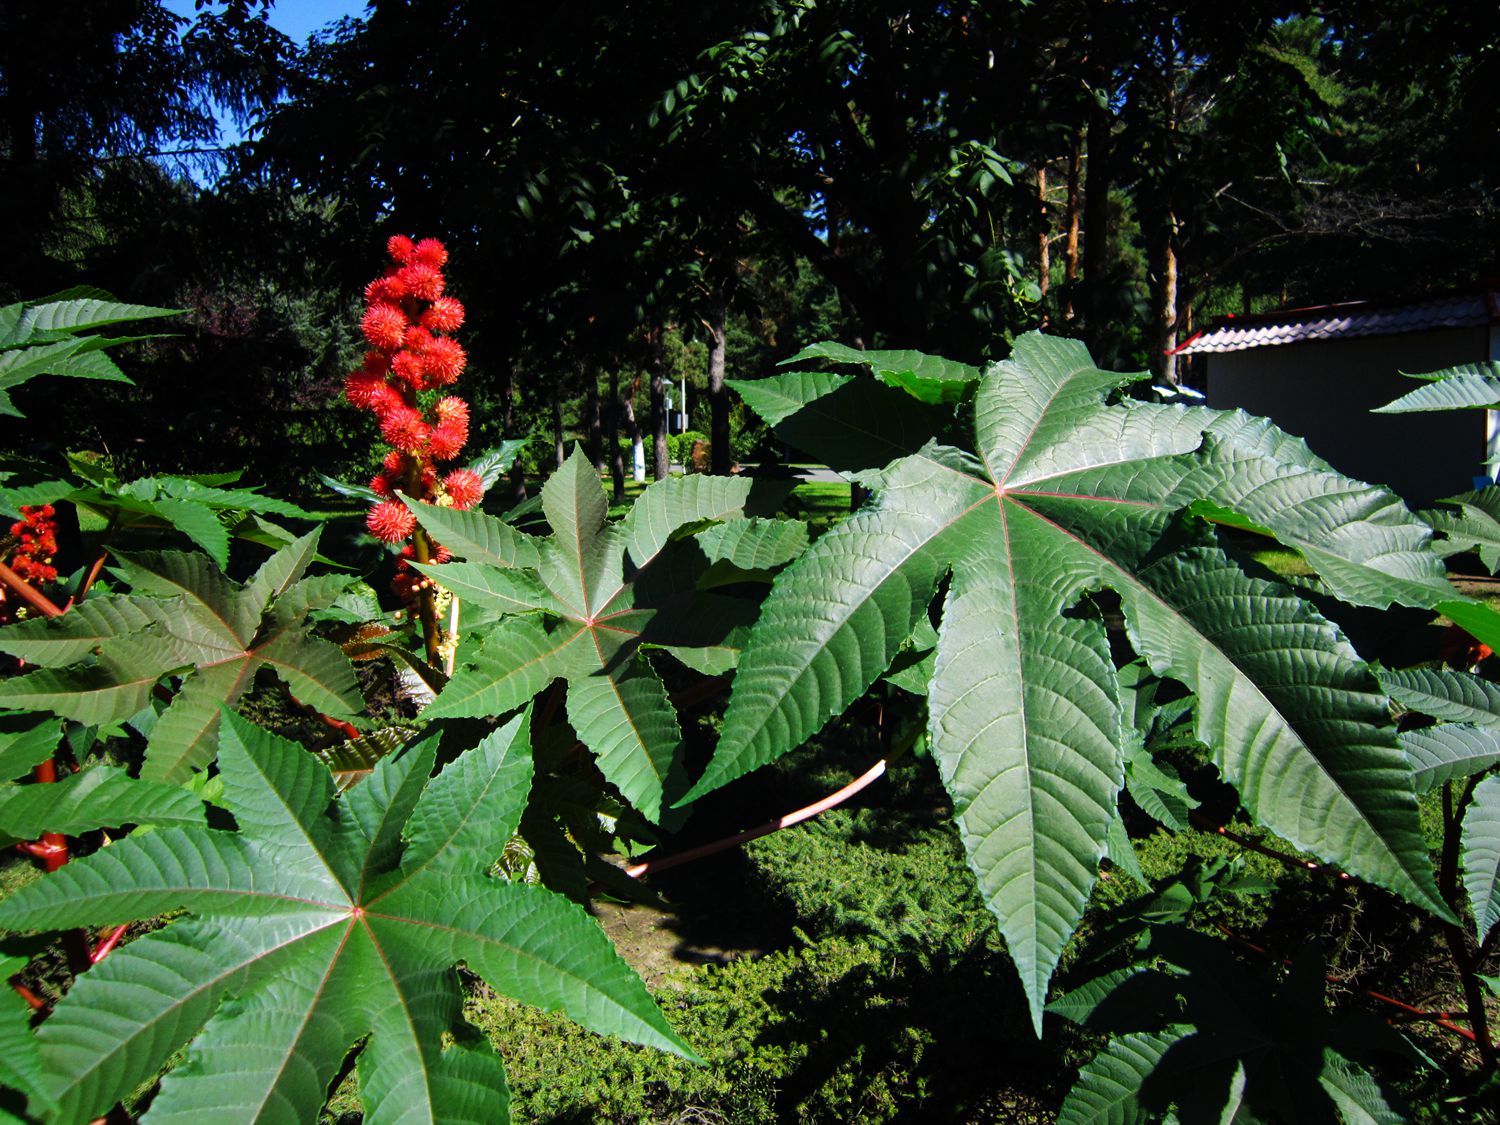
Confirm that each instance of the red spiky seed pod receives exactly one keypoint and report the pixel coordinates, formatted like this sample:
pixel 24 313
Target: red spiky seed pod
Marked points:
pixel 431 252
pixel 445 315
pixel 364 390
pixel 408 367
pixel 444 361
pixel 447 439
pixel 400 248
pixel 464 488
pixel 422 281
pixel 380 485
pixel 384 325
pixel 390 521
pixel 451 408
pixel 403 428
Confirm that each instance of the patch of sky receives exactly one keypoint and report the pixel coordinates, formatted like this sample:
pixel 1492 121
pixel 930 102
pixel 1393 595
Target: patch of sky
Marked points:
pixel 299 21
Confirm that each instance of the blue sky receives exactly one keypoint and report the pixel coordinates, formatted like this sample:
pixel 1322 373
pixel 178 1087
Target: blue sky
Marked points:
pixel 297 18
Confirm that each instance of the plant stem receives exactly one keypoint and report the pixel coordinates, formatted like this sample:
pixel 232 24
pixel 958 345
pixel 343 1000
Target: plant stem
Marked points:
pixel 869 777
pixel 1460 946
pixel 28 593
pixel 52 850
pixel 1441 1019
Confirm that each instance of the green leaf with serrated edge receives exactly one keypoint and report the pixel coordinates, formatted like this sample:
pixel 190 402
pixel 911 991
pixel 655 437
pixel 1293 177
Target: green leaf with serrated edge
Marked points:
pixel 1475 526
pixel 279 572
pixel 469 811
pixel 1071 494
pixel 925 377
pixel 1458 697
pixel 321 592
pixel 623 715
pixel 1467 386
pixel 316 670
pixel 353 760
pixel 1121 852
pixel 79 313
pixel 755 543
pixel 1449 751
pixel 213 598
pixel 114 688
pixel 1024 729
pixel 198 523
pixel 577 562
pixel 508 591
pixel 380 807
pixel 1109 1085
pixel 26 741
pixel 279 794
pixel 68 358
pixel 55 642
pixel 226 499
pixel 475 536
pixel 845 423
pixel 20 1062
pixel 186 733
pixel 278 972
pixel 779 397
pixel 1481 855
pixel 1357 1095
pixel 353 491
pixel 668 505
pixel 490 464
pixel 517 660
pixel 99 797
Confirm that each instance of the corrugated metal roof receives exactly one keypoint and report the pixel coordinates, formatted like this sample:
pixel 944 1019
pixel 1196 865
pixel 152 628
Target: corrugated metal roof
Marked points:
pixel 1337 322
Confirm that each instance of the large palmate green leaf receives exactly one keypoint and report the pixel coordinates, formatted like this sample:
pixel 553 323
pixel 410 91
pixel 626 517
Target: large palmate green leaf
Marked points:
pixel 101 661
pixel 41 338
pixel 319 925
pixel 1467 386
pixel 99 797
pixel 1066 492
pixel 580 604
pixel 1481 840
pixel 1236 1046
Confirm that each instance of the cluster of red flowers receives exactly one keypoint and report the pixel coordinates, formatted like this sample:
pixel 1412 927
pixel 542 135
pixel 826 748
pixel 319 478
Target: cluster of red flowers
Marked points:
pixel 36 533
pixel 407 322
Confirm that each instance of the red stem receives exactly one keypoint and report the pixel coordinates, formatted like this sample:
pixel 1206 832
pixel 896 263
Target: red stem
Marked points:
pixel 89 578
pixel 1439 1018
pixel 102 950
pixel 27 592
pixel 1207 823
pixel 837 798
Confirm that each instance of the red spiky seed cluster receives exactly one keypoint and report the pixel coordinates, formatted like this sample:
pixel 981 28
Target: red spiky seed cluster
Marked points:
pixel 36 544
pixel 408 322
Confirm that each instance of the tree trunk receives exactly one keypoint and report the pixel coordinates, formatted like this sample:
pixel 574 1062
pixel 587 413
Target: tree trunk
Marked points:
pixel 661 464
pixel 557 423
pixel 1043 249
pixel 508 373
pixel 1096 219
pixel 1070 253
pixel 616 457
pixel 593 424
pixel 633 427
pixel 718 394
pixel 1166 310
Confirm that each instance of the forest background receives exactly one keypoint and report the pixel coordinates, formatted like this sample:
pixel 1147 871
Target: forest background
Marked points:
pixel 644 194
pixel 641 193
